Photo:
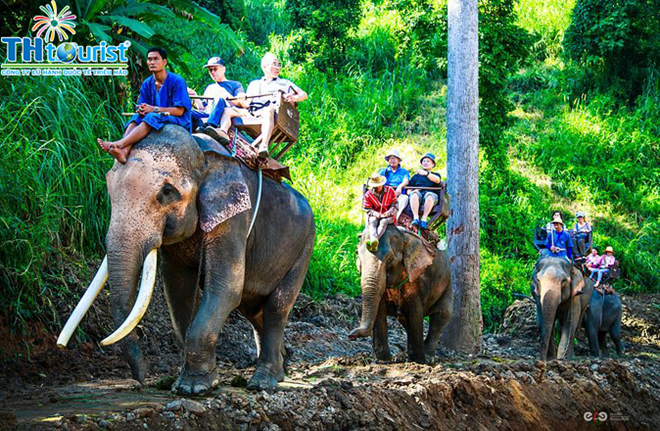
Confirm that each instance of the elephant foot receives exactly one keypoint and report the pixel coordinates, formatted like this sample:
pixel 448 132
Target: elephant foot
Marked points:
pixel 359 333
pixel 420 359
pixel 383 357
pixel 265 379
pixel 192 383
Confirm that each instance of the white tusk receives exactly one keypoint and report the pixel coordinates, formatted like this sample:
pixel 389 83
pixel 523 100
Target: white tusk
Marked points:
pixel 84 304
pixel 141 302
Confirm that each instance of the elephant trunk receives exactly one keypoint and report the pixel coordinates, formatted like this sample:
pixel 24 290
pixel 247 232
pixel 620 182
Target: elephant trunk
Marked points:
pixel 373 286
pixel 124 265
pixel 550 300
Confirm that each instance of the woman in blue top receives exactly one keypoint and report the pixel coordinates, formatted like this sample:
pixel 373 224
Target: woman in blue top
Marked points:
pixel 163 100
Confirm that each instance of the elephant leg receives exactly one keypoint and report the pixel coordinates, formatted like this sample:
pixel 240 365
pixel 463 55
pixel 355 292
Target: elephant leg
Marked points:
pixel 415 329
pixel 569 323
pixel 592 335
pixel 615 333
pixel 380 337
pixel 223 289
pixel 437 322
pixel 270 365
pixel 180 284
pixel 433 336
pixel 602 343
pixel 257 322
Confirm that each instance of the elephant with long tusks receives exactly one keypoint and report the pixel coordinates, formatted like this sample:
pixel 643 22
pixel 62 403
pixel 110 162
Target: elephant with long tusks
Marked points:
pixel 185 200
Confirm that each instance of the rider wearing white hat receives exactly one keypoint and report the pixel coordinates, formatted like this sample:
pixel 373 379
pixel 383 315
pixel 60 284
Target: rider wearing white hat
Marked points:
pixel 397 178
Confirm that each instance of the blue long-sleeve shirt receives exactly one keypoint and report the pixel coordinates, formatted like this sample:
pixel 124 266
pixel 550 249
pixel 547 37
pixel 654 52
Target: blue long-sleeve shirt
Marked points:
pixel 561 240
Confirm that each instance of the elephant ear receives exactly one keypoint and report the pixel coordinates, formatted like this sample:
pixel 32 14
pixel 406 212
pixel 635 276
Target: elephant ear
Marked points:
pixel 577 279
pixel 417 256
pixel 224 192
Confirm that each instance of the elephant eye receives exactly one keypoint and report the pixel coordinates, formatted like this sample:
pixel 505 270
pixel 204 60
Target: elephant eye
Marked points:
pixel 168 194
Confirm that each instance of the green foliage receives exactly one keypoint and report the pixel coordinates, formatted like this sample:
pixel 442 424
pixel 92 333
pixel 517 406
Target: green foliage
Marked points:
pixel 503 48
pixel 500 278
pixel 231 12
pixel 547 21
pixel 53 204
pixel 268 17
pixel 620 39
pixel 423 36
pixel 323 29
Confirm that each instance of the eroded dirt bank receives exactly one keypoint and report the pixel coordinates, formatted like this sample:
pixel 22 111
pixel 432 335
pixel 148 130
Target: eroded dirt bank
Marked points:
pixel 335 384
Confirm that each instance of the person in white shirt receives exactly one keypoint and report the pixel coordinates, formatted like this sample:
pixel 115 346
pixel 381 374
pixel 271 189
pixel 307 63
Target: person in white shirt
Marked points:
pixel 264 107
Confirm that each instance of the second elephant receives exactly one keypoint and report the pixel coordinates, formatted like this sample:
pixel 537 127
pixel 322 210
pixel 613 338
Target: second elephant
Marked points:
pixel 407 278
pixel 602 317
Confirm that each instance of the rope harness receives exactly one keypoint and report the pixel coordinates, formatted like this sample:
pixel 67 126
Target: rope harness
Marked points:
pixel 398 286
pixel 256 205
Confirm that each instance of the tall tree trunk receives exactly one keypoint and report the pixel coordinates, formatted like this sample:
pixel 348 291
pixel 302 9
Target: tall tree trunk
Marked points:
pixel 463 333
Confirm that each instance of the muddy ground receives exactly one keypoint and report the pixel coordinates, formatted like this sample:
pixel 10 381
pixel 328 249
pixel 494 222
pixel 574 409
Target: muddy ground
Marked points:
pixel 333 383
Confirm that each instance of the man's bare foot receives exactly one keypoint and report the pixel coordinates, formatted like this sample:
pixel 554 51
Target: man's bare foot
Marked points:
pixel 121 154
pixel 104 145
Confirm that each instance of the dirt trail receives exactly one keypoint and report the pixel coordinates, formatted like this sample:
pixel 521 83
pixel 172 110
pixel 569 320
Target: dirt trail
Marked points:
pixel 335 384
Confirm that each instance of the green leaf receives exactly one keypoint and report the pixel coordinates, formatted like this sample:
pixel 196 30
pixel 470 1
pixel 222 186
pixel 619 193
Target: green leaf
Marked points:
pixel 99 32
pixel 202 14
pixel 94 7
pixel 138 9
pixel 137 26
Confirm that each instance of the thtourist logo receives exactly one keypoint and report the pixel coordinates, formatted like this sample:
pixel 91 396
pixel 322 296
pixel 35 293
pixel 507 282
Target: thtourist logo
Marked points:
pixel 38 56
pixel 54 23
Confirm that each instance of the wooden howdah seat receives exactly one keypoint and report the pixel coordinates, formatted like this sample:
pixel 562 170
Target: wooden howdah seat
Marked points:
pixel 439 213
pixel 285 132
pixel 541 235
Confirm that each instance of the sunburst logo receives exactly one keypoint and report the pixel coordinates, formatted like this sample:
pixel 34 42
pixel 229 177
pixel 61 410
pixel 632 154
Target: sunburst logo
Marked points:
pixel 54 22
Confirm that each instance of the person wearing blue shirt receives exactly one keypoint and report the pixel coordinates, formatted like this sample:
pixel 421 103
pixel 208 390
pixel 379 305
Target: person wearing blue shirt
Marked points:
pixel 397 178
pixel 560 244
pixel 163 100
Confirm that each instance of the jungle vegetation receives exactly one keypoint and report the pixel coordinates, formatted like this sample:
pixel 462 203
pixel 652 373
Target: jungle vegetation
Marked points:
pixel 569 120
